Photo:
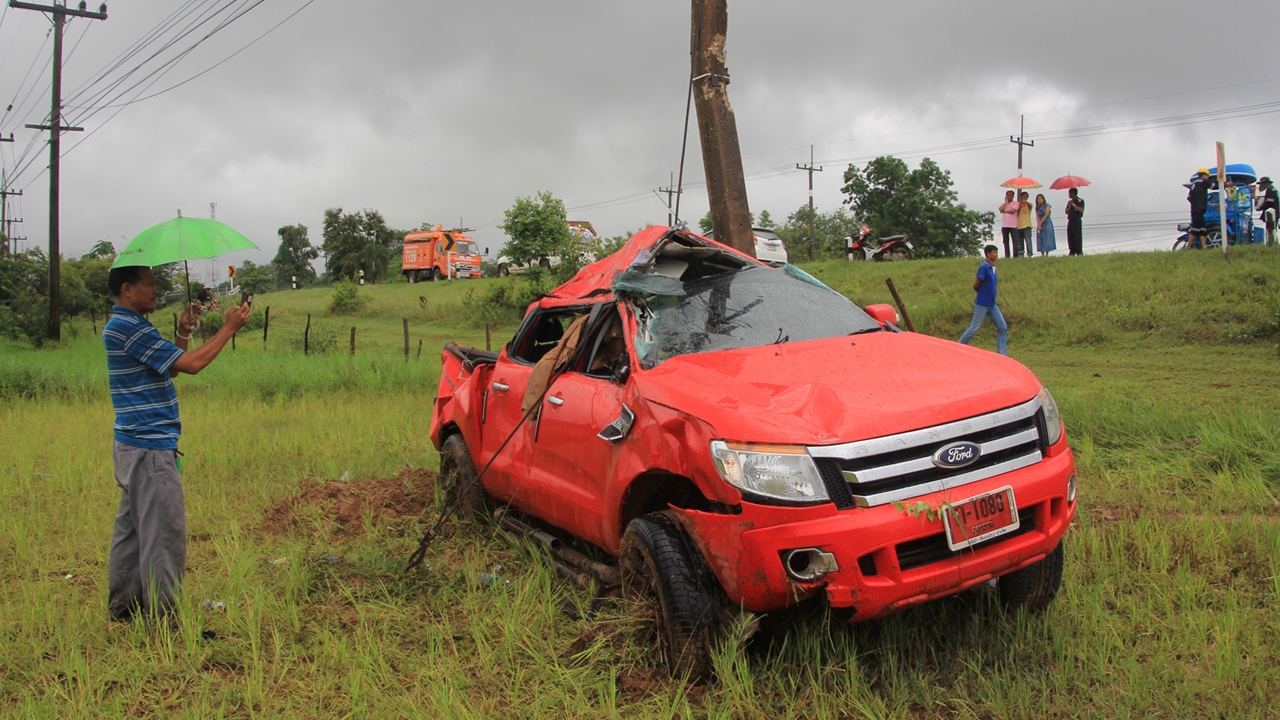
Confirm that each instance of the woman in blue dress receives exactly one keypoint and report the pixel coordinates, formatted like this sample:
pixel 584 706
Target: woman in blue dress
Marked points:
pixel 1045 240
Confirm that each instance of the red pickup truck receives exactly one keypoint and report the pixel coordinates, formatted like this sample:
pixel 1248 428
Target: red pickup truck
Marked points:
pixel 705 419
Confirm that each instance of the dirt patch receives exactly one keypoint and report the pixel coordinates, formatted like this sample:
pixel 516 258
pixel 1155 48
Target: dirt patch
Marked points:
pixel 344 506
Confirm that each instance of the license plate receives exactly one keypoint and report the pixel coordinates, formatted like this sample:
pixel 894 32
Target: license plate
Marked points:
pixel 910 246
pixel 981 518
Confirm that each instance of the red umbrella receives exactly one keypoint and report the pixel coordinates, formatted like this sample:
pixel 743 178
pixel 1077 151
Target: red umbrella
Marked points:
pixel 1068 181
pixel 1020 183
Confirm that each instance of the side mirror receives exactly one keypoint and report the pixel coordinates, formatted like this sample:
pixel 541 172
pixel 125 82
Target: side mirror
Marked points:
pixel 486 251
pixel 883 314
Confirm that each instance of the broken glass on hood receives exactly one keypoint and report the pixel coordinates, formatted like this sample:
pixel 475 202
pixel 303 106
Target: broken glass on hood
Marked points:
pixel 750 306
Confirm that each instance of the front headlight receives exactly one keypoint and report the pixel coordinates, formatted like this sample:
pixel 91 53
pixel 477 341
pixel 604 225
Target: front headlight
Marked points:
pixel 1052 420
pixel 780 472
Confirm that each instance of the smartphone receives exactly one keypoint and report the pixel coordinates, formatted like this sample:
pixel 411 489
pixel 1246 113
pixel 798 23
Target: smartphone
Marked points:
pixel 246 298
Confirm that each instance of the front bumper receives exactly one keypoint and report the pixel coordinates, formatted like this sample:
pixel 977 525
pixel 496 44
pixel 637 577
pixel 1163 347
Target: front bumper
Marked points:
pixel 889 559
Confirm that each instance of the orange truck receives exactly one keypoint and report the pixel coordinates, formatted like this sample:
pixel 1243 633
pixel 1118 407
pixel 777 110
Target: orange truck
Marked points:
pixel 438 254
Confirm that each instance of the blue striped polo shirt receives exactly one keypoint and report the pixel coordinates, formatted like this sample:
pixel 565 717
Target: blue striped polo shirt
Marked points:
pixel 138 363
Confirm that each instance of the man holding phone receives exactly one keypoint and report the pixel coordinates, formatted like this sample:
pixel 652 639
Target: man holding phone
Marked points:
pixel 149 542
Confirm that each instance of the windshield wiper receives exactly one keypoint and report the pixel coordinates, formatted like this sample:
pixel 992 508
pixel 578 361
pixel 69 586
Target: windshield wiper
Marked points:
pixel 877 328
pixel 781 338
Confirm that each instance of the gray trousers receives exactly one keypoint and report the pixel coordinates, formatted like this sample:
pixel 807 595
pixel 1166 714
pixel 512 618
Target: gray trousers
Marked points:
pixel 149 543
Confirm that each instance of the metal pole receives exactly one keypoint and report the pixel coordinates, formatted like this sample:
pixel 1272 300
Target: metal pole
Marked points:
pixel 1222 196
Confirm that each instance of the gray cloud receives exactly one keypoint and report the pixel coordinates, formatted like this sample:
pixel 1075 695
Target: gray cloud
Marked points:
pixel 434 111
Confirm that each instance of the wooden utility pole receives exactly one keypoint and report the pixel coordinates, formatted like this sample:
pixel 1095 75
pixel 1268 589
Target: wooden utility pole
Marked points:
pixel 811 170
pixel 55 128
pixel 669 191
pixel 721 155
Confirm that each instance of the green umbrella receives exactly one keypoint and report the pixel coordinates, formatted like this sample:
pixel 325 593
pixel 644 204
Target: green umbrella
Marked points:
pixel 182 239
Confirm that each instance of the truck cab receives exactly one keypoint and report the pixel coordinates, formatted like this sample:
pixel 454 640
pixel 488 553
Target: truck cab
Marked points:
pixel 439 254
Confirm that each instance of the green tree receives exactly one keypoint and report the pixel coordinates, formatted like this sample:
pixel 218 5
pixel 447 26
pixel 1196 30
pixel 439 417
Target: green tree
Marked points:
pixel 24 296
pixel 256 279
pixel 293 258
pixel 102 250
pixel 829 232
pixel 374 260
pixel 538 228
pixel 766 221
pixel 345 237
pixel 893 199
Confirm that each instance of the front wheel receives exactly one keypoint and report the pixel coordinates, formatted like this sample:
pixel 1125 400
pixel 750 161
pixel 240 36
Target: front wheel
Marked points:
pixel 663 571
pixel 435 275
pixel 503 270
pixel 1034 586
pixel 1180 243
pixel 462 489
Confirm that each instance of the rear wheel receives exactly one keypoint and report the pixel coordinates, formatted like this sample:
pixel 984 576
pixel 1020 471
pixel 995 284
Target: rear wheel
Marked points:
pixel 545 263
pixel 1033 587
pixel 458 480
pixel 899 254
pixel 663 572
pixel 411 276
pixel 1180 243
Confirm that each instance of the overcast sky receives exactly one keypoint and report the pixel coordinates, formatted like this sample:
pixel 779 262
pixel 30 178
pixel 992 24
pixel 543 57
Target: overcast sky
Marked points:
pixel 447 111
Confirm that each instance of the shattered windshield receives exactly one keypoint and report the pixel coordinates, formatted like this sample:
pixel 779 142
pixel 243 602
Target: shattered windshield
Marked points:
pixel 745 307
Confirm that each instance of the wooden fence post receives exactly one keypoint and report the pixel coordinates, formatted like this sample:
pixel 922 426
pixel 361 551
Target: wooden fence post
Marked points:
pixel 266 323
pixel 93 316
pixel 419 349
pixel 353 341
pixel 306 337
pixel 901 305
pixel 487 345
pixel 406 339
pixel 175 327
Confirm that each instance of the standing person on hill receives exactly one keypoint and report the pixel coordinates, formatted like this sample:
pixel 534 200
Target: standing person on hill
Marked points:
pixel 149 542
pixel 985 303
pixel 1075 233
pixel 1198 197
pixel 1267 202
pixel 1024 225
pixel 1008 220
pixel 1046 242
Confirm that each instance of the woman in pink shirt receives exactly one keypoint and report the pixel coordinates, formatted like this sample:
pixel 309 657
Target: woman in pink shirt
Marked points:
pixel 1009 220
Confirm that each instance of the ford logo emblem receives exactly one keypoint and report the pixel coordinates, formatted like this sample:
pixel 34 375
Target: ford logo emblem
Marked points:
pixel 957 455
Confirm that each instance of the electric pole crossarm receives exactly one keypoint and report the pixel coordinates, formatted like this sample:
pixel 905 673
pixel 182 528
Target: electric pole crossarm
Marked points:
pixel 1020 142
pixel 64 128
pixel 62 10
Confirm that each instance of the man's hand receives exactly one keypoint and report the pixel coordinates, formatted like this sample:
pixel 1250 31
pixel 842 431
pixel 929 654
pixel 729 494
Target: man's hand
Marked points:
pixel 236 317
pixel 189 320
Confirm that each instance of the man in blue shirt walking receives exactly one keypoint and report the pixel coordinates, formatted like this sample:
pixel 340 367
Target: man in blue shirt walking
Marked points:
pixel 149 542
pixel 985 303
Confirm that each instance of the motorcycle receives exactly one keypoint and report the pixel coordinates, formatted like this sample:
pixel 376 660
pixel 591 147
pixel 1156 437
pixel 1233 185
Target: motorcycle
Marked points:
pixel 894 247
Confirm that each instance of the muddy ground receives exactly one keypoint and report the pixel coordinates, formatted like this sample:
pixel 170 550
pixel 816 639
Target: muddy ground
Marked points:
pixel 346 508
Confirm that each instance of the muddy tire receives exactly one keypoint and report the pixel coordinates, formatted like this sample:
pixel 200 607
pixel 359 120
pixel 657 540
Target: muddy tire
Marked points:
pixel 1033 587
pixel 663 571
pixel 457 479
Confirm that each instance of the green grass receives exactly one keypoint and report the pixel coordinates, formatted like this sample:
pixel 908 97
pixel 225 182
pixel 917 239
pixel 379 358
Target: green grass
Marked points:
pixel 1164 366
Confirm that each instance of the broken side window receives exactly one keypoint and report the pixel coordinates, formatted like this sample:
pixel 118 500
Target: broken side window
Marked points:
pixel 750 306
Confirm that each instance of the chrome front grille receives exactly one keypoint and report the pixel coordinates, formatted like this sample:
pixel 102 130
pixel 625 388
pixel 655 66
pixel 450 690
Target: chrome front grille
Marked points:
pixel 892 468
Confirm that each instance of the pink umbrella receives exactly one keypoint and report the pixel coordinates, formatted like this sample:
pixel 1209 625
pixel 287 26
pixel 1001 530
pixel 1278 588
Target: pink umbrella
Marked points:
pixel 1068 181
pixel 1020 183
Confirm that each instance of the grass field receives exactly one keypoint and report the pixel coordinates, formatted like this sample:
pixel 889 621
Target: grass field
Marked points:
pixel 1165 367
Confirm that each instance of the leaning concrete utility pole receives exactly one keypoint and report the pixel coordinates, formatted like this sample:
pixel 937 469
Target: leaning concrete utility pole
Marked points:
pixel 55 128
pixel 721 156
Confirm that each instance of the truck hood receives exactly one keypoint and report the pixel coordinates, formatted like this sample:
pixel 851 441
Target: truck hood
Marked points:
pixel 837 390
